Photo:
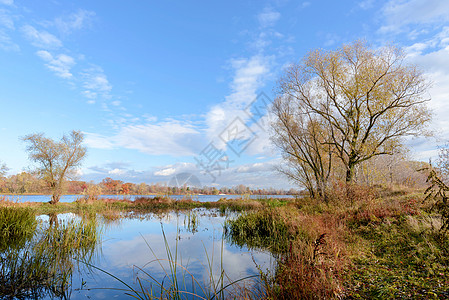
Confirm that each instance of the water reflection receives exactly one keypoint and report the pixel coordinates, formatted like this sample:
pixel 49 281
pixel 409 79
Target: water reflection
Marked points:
pixel 42 265
pixel 144 247
pixel 77 256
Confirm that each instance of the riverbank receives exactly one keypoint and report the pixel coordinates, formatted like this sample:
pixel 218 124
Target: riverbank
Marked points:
pixel 148 204
pixel 364 243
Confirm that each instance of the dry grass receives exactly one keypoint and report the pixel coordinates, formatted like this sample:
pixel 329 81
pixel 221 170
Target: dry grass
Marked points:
pixel 331 249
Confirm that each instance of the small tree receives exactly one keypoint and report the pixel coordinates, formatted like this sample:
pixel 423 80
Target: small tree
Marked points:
pixel 57 161
pixel 3 169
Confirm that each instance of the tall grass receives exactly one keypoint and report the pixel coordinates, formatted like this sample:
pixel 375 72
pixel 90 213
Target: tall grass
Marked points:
pixel 43 265
pixel 263 229
pixel 17 225
pixel 307 263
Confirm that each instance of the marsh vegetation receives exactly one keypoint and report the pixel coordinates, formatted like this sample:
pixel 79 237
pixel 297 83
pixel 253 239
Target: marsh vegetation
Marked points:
pixel 364 242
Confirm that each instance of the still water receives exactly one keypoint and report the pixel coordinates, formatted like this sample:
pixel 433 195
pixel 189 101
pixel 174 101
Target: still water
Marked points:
pixel 139 246
pixel 201 198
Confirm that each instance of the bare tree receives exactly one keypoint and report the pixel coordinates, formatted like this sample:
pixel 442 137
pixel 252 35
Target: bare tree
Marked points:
pixel 365 99
pixel 57 161
pixel 303 144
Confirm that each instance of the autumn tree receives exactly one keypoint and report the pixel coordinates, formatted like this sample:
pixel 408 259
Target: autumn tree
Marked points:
pixel 111 186
pixel 364 100
pixel 56 160
pixel 304 145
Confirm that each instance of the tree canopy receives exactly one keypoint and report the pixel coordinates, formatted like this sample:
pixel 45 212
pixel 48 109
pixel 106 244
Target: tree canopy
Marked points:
pixel 56 160
pixel 353 104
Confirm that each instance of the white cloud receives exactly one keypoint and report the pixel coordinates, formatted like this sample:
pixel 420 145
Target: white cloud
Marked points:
pixel 6 20
pixel 399 13
pixel 432 56
pixel 97 141
pixel 91 95
pixel 60 64
pixel 261 174
pixel 6 43
pixel 117 171
pixel 41 39
pixel 95 83
pixel 366 4
pixel 7 2
pixel 164 138
pixel 75 21
pixel 247 80
pixel 165 172
pixel 254 175
pixel 256 167
pixel 180 167
pixel 305 4
pixel 268 17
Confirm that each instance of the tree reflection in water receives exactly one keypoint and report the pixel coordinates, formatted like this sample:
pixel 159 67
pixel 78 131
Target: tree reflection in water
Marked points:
pixel 41 264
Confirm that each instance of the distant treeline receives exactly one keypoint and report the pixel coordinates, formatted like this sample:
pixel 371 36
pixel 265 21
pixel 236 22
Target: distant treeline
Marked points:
pixel 28 183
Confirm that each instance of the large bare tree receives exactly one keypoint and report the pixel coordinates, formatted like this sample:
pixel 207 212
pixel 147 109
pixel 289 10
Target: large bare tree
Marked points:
pixel 364 99
pixel 57 160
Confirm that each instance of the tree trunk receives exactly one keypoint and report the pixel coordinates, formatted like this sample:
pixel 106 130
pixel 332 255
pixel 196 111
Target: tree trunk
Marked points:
pixel 55 198
pixel 350 172
pixel 53 219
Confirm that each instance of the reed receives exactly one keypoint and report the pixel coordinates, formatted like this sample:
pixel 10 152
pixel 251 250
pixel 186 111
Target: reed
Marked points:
pixel 43 265
pixel 16 226
pixel 178 282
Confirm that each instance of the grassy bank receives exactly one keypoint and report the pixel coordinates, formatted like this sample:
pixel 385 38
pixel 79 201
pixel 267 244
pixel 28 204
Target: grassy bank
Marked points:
pixel 364 244
pixel 147 204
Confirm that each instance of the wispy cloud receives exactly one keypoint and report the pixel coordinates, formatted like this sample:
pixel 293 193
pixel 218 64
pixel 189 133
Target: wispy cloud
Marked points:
pixel 6 20
pixel 268 17
pixel 366 4
pixel 254 175
pixel 407 20
pixel 91 81
pixel 95 83
pixel 60 64
pixel 166 138
pixel 248 78
pixel 169 137
pixel 170 170
pixel 398 13
pixel 75 21
pixel 7 2
pixel 6 42
pixel 41 39
pixel 97 141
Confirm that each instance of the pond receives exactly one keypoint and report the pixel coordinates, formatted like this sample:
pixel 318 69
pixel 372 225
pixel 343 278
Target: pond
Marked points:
pixel 201 198
pixel 140 251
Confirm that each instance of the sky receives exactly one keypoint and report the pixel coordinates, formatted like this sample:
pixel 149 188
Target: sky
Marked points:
pixel 161 89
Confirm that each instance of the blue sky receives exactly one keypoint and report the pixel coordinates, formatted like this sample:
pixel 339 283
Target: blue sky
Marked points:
pixel 159 87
